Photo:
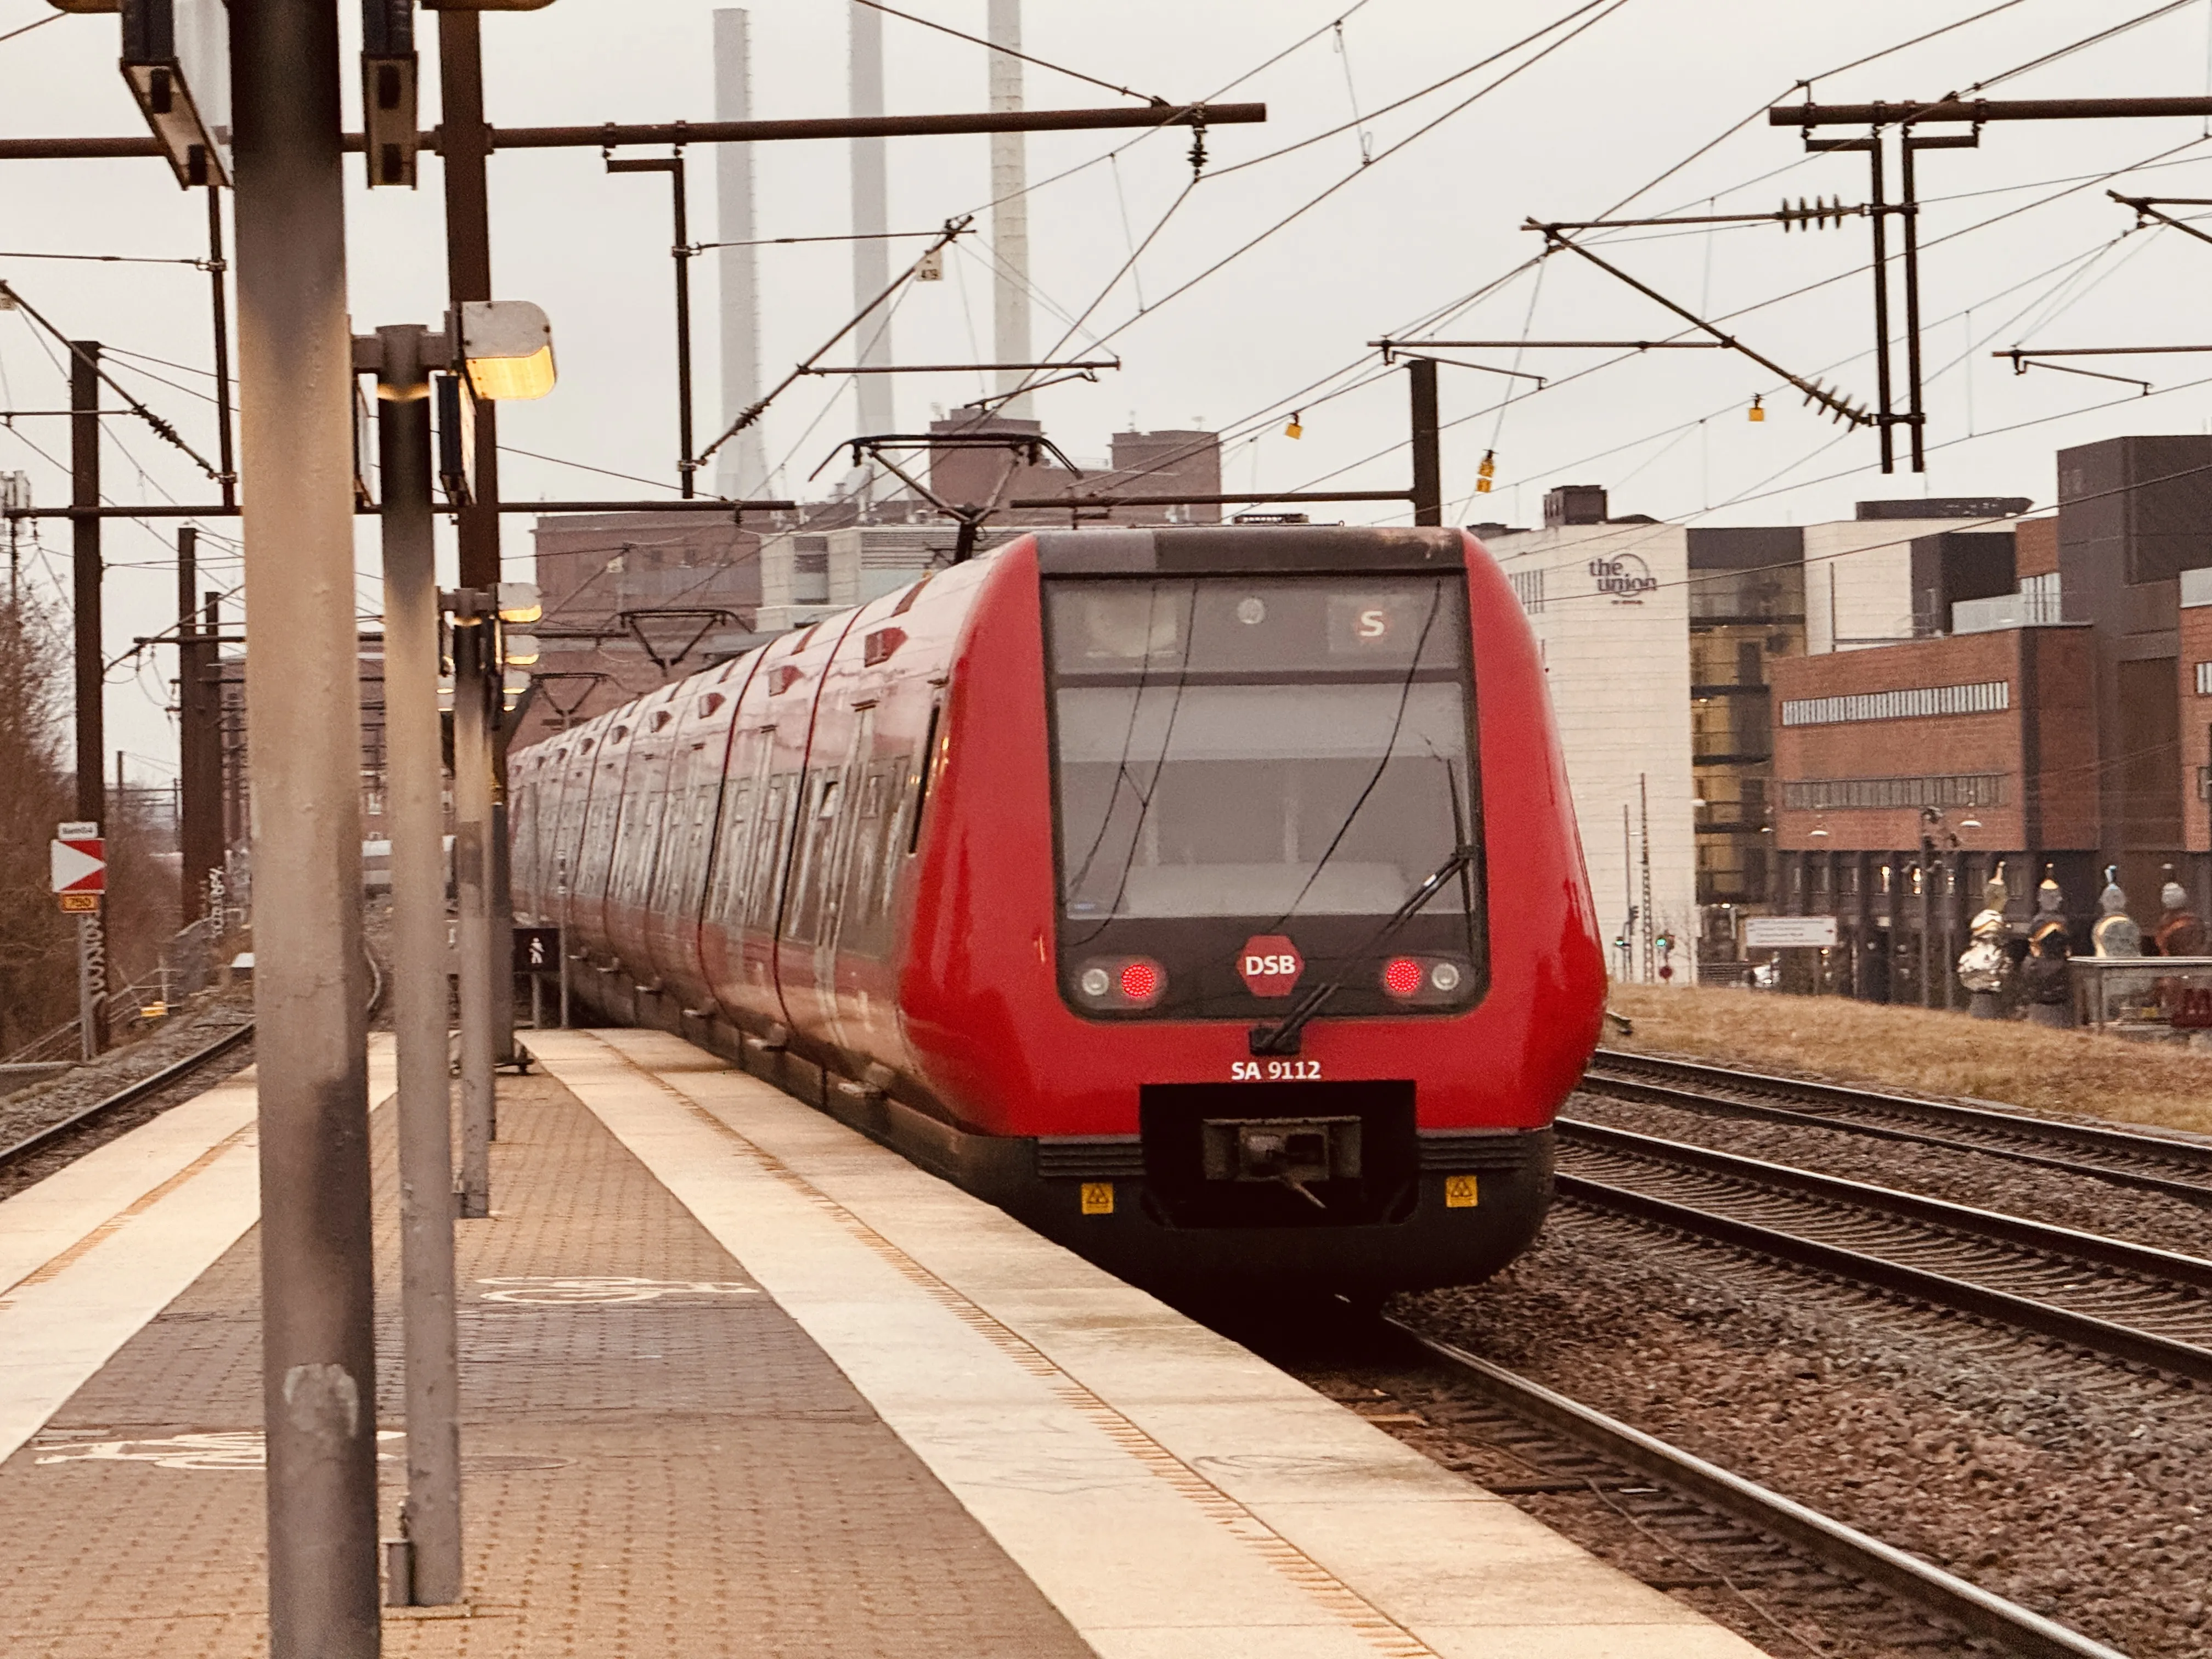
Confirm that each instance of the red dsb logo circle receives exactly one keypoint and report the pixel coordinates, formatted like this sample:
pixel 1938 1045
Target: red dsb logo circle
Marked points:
pixel 1270 966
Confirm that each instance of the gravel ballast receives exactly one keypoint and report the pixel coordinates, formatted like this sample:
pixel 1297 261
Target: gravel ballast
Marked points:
pixel 27 1111
pixel 2047 1476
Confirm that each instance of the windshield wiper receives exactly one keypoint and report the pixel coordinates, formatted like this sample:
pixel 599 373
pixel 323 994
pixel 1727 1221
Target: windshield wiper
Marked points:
pixel 1283 1038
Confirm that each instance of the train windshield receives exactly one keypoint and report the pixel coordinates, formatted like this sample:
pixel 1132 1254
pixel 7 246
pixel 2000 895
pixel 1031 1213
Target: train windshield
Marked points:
pixel 1266 750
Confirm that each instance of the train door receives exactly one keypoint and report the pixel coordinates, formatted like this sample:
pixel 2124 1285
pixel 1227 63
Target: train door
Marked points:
pixel 537 823
pixel 696 784
pixel 638 833
pixel 522 791
pixel 602 821
pixel 744 890
pixel 565 854
pixel 735 963
pixel 807 963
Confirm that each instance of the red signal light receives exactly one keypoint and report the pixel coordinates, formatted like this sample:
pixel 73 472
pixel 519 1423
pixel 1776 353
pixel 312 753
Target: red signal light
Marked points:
pixel 1141 982
pixel 1401 977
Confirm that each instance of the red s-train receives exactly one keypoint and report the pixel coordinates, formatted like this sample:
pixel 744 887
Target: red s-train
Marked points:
pixel 1208 897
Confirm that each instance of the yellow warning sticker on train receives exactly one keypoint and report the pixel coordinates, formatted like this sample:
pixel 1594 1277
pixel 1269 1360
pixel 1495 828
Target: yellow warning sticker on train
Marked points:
pixel 1098 1198
pixel 1460 1192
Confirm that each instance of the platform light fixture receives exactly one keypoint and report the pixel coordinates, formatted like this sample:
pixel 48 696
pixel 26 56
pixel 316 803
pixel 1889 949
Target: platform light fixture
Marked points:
pixel 176 59
pixel 506 349
pixel 389 77
pixel 520 604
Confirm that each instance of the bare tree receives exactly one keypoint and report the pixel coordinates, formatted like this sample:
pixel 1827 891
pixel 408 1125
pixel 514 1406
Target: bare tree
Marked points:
pixel 38 973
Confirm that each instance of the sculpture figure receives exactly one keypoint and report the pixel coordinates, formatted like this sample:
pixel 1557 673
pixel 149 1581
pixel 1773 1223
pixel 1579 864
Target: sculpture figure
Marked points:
pixel 2180 930
pixel 2045 980
pixel 1982 963
pixel 2116 933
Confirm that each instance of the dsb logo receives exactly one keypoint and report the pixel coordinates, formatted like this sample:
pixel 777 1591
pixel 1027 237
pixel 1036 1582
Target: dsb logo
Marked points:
pixel 1270 966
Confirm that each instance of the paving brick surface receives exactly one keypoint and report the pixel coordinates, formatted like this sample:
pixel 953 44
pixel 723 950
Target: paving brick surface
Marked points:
pixel 657 1461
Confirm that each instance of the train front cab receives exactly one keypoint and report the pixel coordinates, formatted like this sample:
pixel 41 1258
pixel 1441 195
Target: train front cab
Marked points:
pixel 1258 742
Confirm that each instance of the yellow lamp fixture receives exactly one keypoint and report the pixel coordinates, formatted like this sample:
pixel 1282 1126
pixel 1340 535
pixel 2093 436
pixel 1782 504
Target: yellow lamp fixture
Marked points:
pixel 506 348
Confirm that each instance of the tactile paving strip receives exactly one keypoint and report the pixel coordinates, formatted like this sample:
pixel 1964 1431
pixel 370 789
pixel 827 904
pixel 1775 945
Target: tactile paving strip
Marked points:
pixel 659 1462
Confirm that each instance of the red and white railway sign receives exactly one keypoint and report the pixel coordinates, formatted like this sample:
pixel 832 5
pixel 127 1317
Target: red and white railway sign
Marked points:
pixel 79 859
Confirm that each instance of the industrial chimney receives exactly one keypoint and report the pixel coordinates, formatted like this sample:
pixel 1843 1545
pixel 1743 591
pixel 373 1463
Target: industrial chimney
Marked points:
pixel 743 470
pixel 1009 209
pixel 871 258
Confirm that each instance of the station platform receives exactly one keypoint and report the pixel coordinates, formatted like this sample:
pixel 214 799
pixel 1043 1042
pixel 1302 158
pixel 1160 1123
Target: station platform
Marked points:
pixel 736 1381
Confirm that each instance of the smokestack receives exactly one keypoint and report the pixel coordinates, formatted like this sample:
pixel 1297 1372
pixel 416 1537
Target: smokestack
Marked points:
pixel 872 260
pixel 743 469
pixel 1010 212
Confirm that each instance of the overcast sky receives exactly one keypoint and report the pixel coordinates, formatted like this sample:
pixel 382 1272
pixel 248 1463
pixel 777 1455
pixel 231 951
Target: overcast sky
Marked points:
pixel 2023 247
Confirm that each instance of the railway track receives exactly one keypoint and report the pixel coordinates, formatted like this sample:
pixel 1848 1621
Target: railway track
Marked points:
pixel 130 1095
pixel 1763 1534
pixel 2129 1301
pixel 2176 1168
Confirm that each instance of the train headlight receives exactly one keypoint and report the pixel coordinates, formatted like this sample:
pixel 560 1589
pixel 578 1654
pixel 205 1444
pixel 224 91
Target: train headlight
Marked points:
pixel 1426 982
pixel 1121 983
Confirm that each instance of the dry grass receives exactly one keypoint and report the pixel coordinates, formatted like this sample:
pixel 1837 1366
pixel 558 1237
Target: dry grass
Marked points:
pixel 1840 1041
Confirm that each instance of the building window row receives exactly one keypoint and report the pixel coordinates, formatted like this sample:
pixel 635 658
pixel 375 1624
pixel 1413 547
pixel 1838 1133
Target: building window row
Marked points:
pixel 2204 679
pixel 1984 697
pixel 1528 588
pixel 1835 795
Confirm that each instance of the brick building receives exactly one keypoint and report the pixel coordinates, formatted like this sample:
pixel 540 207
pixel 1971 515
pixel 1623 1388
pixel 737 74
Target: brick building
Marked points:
pixel 632 600
pixel 1663 647
pixel 2054 713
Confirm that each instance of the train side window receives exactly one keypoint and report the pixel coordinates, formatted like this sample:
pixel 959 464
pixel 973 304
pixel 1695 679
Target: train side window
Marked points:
pixel 927 765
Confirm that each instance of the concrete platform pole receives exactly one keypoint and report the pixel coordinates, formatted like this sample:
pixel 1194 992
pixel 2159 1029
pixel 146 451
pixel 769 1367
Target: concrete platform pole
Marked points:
pixel 431 1521
pixel 303 720
pixel 475 676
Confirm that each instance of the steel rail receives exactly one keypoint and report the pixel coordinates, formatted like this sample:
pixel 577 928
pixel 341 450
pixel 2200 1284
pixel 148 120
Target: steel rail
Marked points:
pixel 1943 1289
pixel 1994 1225
pixel 1819 1537
pixel 2137 1149
pixel 129 1095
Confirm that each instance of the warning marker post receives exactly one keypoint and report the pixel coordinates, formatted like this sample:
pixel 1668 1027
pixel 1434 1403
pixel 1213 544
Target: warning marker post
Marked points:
pixel 79 860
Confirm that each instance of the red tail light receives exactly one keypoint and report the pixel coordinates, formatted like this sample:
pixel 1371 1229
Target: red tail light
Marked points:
pixel 1402 976
pixel 1120 982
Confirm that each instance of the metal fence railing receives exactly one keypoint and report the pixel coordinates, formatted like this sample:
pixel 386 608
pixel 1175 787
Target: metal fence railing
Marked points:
pixel 187 966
